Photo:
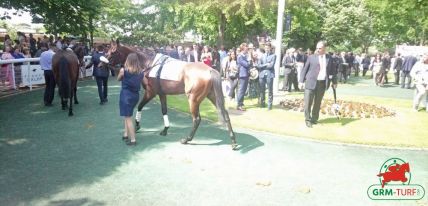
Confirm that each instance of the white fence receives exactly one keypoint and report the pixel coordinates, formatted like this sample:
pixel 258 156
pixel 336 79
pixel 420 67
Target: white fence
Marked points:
pixel 29 74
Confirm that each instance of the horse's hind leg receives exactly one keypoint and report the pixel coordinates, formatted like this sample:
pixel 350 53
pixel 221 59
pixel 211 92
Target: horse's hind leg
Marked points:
pixel 165 115
pixel 75 95
pixel 194 109
pixel 225 116
pixel 148 95
pixel 70 109
pixel 63 103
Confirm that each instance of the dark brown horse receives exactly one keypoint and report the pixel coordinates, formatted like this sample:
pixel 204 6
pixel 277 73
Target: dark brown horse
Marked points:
pixel 79 50
pixel 65 66
pixel 196 80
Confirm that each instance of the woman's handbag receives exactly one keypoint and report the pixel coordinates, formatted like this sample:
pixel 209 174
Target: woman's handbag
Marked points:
pixel 233 72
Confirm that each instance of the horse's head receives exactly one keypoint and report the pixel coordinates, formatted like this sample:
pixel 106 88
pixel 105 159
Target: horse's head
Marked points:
pixel 79 50
pixel 405 167
pixel 117 54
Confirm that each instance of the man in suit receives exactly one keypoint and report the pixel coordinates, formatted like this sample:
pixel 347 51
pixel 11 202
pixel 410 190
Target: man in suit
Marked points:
pixel 244 65
pixel 196 53
pixel 408 63
pixel 398 63
pixel 343 67
pixel 317 74
pixel 189 55
pixel 290 71
pixel 181 54
pixel 267 74
pixel 100 73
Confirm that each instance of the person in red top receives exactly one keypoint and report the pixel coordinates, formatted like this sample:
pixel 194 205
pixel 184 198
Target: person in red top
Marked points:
pixel 206 56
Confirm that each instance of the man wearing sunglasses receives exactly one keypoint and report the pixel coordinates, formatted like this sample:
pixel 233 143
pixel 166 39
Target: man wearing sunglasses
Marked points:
pixel 317 74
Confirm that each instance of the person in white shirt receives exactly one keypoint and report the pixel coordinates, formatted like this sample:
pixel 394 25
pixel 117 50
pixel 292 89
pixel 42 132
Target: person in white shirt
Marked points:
pixel 419 74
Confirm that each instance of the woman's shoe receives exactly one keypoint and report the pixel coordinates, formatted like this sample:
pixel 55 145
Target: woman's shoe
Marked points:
pixel 130 143
pixel 241 108
pixel 125 138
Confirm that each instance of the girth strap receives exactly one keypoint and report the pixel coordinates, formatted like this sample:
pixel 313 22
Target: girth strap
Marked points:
pixel 158 73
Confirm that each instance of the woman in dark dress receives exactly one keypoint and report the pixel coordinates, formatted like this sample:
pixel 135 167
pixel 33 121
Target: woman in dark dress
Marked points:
pixel 131 77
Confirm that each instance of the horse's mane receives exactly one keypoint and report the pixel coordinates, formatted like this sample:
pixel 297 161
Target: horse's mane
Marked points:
pixel 145 55
pixel 79 50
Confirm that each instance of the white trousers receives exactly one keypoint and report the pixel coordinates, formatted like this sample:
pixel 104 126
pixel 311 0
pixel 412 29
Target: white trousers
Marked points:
pixel 420 95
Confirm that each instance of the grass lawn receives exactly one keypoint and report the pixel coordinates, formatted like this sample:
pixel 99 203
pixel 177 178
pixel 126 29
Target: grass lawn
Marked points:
pixel 406 129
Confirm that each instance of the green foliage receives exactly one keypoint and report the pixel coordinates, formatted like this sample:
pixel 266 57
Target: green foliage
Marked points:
pixel 305 26
pixel 66 16
pixel 399 21
pixel 345 24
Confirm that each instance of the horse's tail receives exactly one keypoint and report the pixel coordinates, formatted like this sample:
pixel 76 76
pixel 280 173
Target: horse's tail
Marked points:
pixel 64 86
pixel 219 97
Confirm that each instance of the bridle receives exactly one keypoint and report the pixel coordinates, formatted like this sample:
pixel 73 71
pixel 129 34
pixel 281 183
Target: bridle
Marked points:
pixel 149 65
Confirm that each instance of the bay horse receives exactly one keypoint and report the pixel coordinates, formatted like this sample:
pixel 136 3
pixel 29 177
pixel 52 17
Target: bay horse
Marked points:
pixel 196 80
pixel 65 66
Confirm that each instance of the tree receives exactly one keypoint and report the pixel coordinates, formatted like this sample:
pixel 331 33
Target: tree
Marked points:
pixel 347 24
pixel 306 24
pixel 67 16
pixel 399 21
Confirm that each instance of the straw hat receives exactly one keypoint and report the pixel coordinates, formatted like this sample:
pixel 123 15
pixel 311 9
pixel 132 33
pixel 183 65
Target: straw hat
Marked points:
pixel 254 73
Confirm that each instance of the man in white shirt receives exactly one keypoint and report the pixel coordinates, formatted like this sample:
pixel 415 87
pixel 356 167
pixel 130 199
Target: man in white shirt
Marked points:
pixel 46 65
pixel 196 54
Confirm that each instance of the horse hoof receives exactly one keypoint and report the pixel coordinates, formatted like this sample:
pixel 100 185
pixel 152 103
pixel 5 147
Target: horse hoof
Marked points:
pixel 70 114
pixel 235 147
pixel 184 141
pixel 163 133
pixel 76 102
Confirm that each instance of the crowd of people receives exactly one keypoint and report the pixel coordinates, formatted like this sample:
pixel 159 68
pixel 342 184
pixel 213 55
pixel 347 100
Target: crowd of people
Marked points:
pixel 26 47
pixel 347 65
pixel 237 65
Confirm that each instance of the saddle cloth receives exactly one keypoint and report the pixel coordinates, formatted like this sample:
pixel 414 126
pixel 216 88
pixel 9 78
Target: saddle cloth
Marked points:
pixel 172 69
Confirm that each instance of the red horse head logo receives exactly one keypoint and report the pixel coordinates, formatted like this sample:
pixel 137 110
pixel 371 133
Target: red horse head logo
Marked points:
pixel 395 172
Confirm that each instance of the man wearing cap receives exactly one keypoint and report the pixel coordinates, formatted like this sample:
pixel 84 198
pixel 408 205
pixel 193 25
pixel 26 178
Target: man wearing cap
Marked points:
pixel 100 73
pixel 317 74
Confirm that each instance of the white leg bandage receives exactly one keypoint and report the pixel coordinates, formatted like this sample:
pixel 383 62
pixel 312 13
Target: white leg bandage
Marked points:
pixel 138 116
pixel 165 120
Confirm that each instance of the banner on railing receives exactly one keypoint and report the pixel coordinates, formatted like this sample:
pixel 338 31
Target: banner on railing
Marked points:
pixel 34 74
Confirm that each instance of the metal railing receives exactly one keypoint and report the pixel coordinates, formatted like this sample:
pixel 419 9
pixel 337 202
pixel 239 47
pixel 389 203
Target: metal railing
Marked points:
pixel 31 74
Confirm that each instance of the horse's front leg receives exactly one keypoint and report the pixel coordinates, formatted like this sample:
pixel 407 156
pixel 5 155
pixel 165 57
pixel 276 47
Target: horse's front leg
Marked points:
pixel 194 109
pixel 165 115
pixel 148 95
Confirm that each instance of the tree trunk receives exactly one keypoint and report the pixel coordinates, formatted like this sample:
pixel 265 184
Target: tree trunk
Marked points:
pixel 221 28
pixel 91 31
pixel 423 29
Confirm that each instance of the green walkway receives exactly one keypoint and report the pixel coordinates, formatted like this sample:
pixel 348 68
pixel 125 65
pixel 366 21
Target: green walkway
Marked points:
pixel 48 158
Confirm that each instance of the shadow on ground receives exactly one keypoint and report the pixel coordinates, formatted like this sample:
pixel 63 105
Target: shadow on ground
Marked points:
pixel 334 120
pixel 44 151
